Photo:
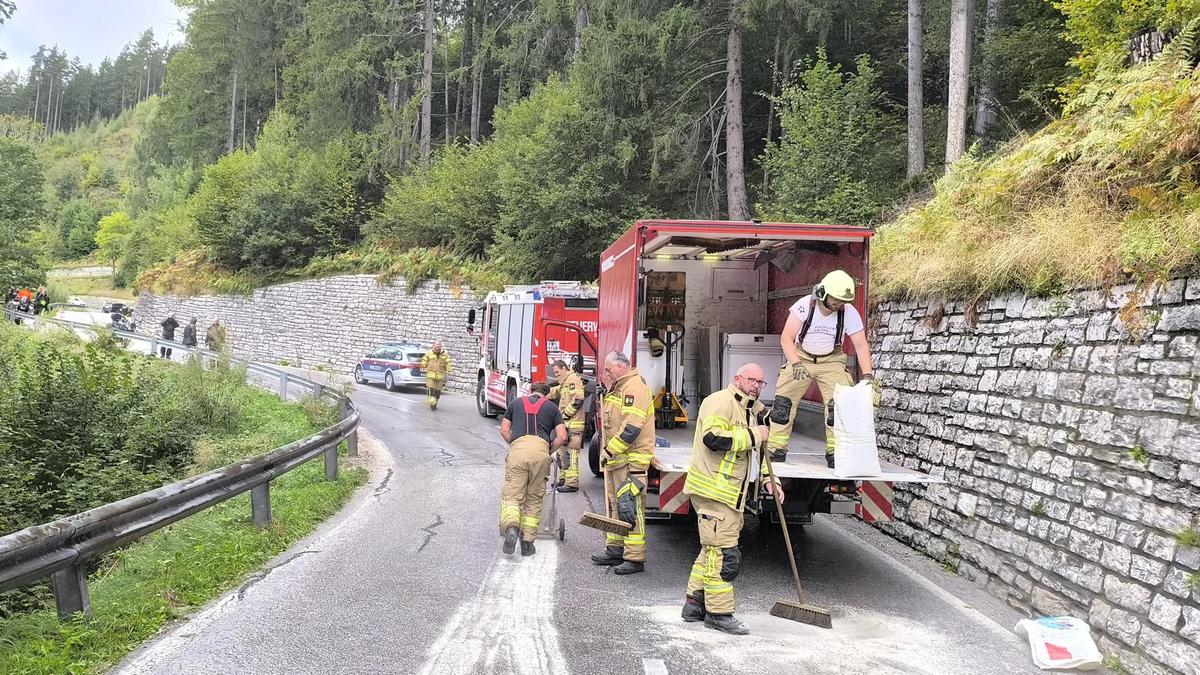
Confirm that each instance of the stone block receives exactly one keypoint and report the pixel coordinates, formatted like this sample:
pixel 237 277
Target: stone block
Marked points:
pixel 1180 318
pixel 1165 612
pixel 1169 650
pixel 1147 570
pixel 1130 595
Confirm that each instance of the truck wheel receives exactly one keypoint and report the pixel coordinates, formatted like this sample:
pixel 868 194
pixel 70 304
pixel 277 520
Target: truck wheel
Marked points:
pixel 594 455
pixel 482 403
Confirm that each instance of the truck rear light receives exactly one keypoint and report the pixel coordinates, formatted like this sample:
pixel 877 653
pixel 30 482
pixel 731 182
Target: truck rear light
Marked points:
pixel 843 488
pixel 655 481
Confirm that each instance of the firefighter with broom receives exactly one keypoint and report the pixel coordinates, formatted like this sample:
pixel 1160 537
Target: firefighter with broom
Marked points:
pixel 723 469
pixel 627 418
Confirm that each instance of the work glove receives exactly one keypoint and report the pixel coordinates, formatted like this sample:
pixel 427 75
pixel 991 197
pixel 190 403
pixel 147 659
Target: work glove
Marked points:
pixel 799 372
pixel 876 388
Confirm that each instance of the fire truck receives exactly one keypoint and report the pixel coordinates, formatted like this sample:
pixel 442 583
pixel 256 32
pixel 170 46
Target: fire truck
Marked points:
pixel 524 330
pixel 725 288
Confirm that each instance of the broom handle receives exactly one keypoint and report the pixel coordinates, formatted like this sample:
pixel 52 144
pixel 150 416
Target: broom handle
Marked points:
pixel 603 445
pixel 787 539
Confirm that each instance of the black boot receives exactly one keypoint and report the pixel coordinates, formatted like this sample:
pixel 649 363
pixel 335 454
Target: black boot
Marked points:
pixel 829 460
pixel 726 624
pixel 779 456
pixel 567 488
pixel 612 555
pixel 510 540
pixel 693 607
pixel 527 548
pixel 629 567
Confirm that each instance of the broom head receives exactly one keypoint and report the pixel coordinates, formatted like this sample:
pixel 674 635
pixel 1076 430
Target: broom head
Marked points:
pixel 606 524
pixel 809 614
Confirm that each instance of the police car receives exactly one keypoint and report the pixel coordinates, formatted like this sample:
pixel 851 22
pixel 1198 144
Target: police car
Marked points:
pixel 394 365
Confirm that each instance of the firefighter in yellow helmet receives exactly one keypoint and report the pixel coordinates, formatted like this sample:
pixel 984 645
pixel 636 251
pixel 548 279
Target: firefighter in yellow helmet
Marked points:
pixel 724 466
pixel 812 340
pixel 436 365
pixel 627 413
pixel 568 394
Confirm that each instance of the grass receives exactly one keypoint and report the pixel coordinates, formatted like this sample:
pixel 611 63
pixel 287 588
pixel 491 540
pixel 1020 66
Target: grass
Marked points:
pixel 1108 192
pixel 93 286
pixel 140 589
pixel 192 273
pixel 1188 538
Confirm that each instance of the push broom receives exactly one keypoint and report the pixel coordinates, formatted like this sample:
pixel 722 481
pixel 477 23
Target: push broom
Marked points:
pixel 595 520
pixel 799 611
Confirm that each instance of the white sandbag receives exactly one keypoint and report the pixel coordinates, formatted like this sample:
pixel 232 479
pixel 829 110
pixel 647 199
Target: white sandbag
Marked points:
pixel 1060 642
pixel 854 450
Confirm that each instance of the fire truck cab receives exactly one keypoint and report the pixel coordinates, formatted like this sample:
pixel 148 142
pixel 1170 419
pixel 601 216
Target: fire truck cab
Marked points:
pixel 524 330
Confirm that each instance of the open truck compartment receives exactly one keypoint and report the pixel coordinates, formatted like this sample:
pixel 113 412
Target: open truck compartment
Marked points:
pixel 727 287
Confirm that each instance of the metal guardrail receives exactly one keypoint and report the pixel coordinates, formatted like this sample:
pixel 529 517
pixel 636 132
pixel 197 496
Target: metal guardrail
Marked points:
pixel 61 549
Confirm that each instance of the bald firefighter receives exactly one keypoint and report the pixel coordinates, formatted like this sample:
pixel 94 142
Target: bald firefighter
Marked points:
pixel 436 364
pixel 627 415
pixel 568 394
pixel 533 428
pixel 812 342
pixel 722 472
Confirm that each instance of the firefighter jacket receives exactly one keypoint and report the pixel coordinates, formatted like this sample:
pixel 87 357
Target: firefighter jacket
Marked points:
pixel 569 395
pixel 723 447
pixel 436 364
pixel 628 418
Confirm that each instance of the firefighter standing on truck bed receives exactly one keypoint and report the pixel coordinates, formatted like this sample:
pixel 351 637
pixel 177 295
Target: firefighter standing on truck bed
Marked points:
pixel 568 394
pixel 812 342
pixel 723 468
pixel 533 427
pixel 436 364
pixel 627 415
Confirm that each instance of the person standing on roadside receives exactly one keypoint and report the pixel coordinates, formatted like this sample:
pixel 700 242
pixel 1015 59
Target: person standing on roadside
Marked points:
pixel 169 325
pixel 189 334
pixel 41 301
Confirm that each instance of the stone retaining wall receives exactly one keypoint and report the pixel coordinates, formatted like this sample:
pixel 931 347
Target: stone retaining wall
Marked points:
pixel 329 322
pixel 1068 431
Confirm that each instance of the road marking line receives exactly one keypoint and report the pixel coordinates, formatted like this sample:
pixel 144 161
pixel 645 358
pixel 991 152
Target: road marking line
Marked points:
pixel 654 667
pixel 508 626
pixel 921 580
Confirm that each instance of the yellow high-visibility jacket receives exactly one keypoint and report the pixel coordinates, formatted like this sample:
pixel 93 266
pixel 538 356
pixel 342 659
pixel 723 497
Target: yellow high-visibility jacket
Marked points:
pixel 568 394
pixel 628 418
pixel 722 447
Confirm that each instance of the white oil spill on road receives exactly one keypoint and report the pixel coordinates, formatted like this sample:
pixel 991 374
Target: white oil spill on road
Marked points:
pixel 508 627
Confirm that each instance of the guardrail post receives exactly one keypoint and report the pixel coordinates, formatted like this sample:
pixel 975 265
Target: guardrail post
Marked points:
pixel 260 504
pixel 153 346
pixel 70 592
pixel 331 467
pixel 283 386
pixel 352 439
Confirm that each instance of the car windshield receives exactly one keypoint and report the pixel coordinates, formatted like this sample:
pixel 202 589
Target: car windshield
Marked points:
pixel 415 356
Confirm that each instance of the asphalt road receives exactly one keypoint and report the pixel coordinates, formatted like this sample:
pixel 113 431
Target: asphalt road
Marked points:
pixel 409 578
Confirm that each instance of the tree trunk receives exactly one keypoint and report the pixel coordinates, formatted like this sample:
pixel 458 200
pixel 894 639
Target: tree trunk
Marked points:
pixel 582 19
pixel 477 96
pixel 985 106
pixel 49 105
pixel 232 113
pixel 427 85
pixel 446 90
pixel 244 107
pixel 37 102
pixel 771 100
pixel 735 170
pixel 916 90
pixel 961 12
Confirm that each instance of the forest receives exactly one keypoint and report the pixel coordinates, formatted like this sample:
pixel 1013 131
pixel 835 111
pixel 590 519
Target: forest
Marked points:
pixel 496 141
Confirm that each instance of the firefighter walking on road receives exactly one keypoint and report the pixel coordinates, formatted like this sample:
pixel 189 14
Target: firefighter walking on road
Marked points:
pixel 533 427
pixel 812 342
pixel 724 466
pixel 436 365
pixel 568 394
pixel 627 414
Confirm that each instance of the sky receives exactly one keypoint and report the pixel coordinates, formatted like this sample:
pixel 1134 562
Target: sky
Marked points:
pixel 89 29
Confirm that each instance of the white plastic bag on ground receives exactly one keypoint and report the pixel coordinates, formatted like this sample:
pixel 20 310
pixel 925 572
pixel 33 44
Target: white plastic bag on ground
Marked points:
pixel 854 449
pixel 1060 642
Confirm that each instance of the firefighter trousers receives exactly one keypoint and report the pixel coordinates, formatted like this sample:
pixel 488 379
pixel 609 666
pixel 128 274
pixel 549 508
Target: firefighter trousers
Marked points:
pixel 525 472
pixel 569 458
pixel 630 491
pixel 434 387
pixel 720 557
pixel 828 371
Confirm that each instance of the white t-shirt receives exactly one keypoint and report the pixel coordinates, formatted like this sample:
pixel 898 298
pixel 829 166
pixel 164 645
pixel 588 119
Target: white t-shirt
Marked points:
pixel 819 339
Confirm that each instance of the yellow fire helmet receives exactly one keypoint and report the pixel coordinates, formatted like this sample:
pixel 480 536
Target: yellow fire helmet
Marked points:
pixel 837 285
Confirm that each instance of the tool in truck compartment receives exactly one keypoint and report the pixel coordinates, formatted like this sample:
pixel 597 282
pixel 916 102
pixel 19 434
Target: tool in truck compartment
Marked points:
pixel 668 409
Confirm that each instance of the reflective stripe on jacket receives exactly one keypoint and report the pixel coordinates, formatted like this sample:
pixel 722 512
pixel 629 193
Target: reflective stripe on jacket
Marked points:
pixel 722 447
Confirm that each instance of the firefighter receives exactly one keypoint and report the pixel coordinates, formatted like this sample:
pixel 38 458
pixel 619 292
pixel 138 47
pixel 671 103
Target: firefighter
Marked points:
pixel 437 366
pixel 568 394
pixel 627 415
pixel 533 428
pixel 723 468
pixel 812 342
